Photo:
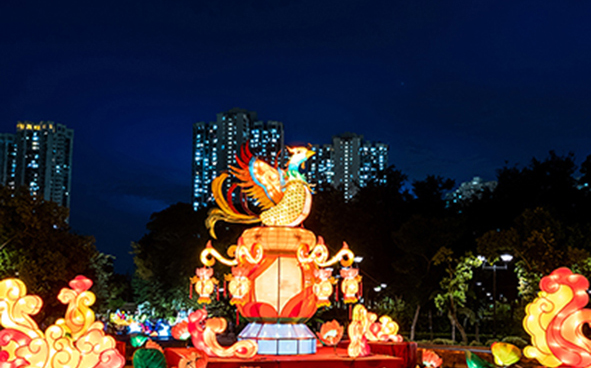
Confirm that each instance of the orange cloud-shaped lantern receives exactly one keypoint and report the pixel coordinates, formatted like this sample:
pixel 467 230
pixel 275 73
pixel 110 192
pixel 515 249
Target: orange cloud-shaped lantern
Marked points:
pixel 180 331
pixel 203 335
pixel 76 341
pixel 555 321
pixel 385 330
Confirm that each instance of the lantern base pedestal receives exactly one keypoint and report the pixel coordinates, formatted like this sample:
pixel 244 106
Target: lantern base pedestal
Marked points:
pixel 280 338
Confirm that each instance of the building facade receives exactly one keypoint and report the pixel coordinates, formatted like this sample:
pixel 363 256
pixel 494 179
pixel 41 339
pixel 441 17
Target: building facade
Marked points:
pixel 320 167
pixel 469 191
pixel 215 145
pixel 7 159
pixel 349 163
pixel 267 141
pixel 373 161
pixel 39 157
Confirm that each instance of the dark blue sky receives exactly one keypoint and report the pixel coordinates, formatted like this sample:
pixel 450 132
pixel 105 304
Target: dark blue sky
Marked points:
pixel 455 87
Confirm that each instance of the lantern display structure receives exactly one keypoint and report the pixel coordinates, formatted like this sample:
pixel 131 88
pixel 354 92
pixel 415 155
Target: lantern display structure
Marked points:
pixel 555 321
pixel 281 273
pixel 75 341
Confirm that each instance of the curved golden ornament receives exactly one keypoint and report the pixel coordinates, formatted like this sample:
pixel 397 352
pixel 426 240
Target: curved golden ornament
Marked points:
pixel 345 256
pixel 319 255
pixel 210 254
pixel 243 254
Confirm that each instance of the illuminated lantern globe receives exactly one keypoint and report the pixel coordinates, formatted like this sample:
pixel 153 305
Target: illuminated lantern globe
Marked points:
pixel 279 271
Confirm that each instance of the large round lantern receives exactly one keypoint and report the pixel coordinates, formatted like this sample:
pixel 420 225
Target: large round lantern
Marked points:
pixel 281 286
pixel 281 298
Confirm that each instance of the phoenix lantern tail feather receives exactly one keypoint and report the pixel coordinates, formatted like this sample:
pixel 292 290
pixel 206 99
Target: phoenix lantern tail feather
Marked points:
pixel 225 212
pixel 283 197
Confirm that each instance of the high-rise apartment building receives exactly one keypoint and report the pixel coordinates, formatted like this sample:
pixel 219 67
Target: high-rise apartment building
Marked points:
pixel 215 145
pixel 320 167
pixel 7 159
pixel 349 162
pixel 373 161
pixel 39 157
pixel 267 141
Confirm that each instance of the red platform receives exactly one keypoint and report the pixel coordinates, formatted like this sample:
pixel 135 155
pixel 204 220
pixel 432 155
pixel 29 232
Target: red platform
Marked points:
pixel 324 358
pixel 407 351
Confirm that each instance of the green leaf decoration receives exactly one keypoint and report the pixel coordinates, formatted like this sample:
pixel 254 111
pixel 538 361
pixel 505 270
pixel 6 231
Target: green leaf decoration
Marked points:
pixel 474 361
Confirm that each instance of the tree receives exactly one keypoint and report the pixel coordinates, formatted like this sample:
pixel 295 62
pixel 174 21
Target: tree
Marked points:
pixel 112 290
pixel 429 195
pixel 38 247
pixel 167 256
pixel 541 244
pixel 454 287
pixel 366 222
pixel 585 179
pixel 417 241
pixel 549 184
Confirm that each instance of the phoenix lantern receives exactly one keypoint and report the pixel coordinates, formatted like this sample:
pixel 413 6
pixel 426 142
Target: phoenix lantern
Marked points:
pixel 281 272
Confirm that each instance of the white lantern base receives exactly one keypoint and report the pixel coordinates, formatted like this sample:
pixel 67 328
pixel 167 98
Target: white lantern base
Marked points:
pixel 280 338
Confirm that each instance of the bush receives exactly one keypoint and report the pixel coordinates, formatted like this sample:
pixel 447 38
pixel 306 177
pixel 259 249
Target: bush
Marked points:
pixel 440 341
pixel 475 343
pixel 517 341
pixel 490 342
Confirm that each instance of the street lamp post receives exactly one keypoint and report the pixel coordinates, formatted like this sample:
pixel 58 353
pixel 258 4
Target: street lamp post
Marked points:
pixel 505 258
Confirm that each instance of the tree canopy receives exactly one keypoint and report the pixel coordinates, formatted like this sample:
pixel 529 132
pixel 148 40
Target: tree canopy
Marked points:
pixel 37 246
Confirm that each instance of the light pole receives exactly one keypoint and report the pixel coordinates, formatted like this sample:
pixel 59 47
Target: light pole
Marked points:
pixel 505 258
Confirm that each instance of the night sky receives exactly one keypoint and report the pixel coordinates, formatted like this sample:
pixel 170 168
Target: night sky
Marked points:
pixel 456 88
